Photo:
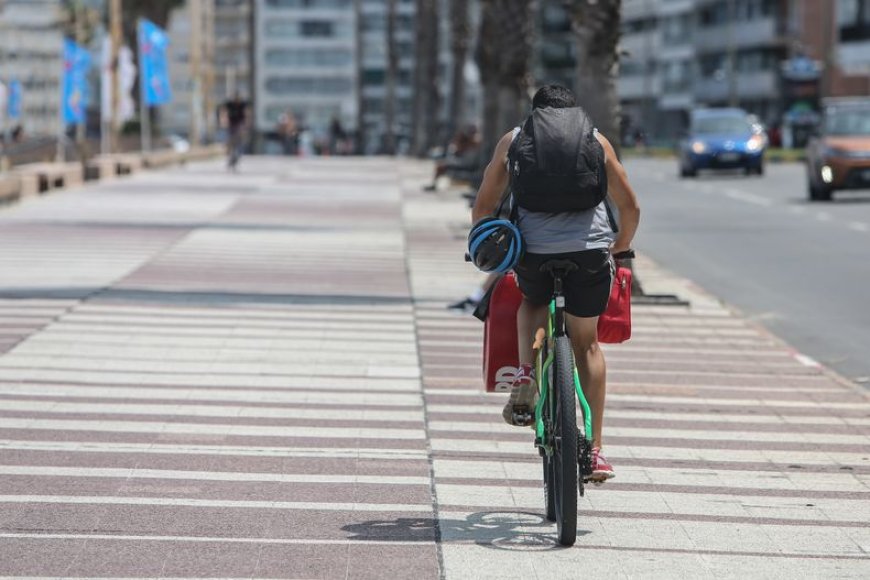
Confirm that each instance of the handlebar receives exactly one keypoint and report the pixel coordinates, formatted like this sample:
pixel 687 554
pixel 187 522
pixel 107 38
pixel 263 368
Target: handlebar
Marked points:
pixel 626 255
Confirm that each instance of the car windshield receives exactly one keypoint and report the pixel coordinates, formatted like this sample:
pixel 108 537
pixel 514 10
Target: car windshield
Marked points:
pixel 722 126
pixel 848 122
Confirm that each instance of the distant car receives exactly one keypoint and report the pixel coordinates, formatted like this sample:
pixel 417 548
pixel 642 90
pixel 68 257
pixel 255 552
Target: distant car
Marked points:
pixel 722 139
pixel 839 156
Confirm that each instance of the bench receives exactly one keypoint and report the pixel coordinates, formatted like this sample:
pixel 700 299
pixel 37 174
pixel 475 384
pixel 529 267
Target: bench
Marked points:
pixel 37 178
pixel 205 152
pixel 111 165
pixel 10 188
pixel 161 158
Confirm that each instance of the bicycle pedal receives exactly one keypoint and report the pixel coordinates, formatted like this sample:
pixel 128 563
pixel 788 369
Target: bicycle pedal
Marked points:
pixel 522 418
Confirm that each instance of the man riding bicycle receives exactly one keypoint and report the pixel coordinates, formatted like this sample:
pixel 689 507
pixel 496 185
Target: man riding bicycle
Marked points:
pixel 587 237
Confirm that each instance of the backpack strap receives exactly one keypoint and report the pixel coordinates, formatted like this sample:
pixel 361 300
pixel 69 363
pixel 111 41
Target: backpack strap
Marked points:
pixel 610 218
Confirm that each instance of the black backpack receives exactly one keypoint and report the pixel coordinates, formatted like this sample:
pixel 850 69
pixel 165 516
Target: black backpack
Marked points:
pixel 556 164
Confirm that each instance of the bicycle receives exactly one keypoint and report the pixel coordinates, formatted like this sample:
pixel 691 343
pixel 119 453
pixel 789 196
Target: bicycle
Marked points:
pixel 565 447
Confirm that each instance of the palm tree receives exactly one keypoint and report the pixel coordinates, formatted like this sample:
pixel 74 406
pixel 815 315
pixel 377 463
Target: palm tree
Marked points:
pixel 392 74
pixel 503 55
pixel 596 25
pixel 427 99
pixel 460 33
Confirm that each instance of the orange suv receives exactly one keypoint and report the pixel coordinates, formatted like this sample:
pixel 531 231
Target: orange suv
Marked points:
pixel 839 156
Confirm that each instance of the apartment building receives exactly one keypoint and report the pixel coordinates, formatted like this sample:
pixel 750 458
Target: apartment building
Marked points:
pixel 305 62
pixel 373 81
pixel 681 54
pixel 31 47
pixel 225 61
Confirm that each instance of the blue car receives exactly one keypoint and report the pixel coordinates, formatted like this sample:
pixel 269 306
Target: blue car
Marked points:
pixel 722 139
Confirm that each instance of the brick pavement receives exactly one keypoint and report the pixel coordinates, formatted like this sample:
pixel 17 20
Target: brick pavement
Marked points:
pixel 253 375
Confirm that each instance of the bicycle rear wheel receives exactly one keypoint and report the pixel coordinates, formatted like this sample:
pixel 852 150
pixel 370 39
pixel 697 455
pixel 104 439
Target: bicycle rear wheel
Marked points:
pixel 564 460
pixel 547 460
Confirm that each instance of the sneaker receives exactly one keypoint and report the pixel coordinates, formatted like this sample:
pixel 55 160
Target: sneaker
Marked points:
pixel 601 469
pixel 520 408
pixel 464 305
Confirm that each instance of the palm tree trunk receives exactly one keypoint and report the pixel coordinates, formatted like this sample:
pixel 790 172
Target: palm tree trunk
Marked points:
pixel 516 25
pixel 390 81
pixel 426 95
pixel 486 57
pixel 507 33
pixel 459 41
pixel 597 30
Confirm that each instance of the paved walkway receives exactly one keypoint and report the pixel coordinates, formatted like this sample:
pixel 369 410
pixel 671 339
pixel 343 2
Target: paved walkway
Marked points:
pixel 253 375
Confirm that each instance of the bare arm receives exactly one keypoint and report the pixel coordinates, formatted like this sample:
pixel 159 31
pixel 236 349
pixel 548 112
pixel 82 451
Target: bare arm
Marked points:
pixel 495 181
pixel 623 197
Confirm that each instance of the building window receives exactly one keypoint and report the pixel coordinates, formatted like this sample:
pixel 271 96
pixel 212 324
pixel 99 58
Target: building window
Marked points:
pixel 286 29
pixel 308 86
pixel 307 57
pixel 374 22
pixel 853 17
pixel 555 19
pixel 316 28
pixel 308 3
pixel 374 76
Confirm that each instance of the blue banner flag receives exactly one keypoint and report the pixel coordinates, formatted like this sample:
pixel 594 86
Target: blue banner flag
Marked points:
pixel 76 63
pixel 153 66
pixel 13 101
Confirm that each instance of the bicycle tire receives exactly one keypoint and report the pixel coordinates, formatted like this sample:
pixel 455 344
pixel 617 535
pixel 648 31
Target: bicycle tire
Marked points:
pixel 565 452
pixel 547 463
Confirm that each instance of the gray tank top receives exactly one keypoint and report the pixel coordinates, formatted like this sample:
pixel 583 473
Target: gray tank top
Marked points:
pixel 557 233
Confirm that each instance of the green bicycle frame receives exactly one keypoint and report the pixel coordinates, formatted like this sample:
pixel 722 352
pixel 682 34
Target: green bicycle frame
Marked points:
pixel 543 366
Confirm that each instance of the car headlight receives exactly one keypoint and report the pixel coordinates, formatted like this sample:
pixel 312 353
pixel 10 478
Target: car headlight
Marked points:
pixel 698 147
pixel 754 144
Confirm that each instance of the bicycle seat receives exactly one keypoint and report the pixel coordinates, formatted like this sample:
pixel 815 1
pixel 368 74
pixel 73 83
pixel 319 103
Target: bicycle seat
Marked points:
pixel 558 266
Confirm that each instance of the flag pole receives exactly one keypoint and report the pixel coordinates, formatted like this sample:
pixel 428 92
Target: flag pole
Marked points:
pixel 116 36
pixel 59 156
pixel 144 116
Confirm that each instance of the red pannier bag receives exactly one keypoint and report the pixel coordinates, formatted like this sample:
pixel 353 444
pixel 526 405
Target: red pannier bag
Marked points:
pixel 614 325
pixel 500 356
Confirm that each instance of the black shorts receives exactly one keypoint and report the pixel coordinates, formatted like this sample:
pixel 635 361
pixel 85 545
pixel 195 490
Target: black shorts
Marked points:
pixel 586 289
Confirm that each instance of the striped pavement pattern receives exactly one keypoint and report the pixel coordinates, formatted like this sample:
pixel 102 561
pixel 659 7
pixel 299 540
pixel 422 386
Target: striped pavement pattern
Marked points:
pixel 213 376
pixel 254 376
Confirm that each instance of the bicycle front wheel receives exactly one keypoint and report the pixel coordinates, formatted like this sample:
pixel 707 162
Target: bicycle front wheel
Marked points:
pixel 564 468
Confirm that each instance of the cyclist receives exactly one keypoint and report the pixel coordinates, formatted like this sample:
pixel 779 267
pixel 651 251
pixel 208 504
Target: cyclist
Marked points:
pixel 235 119
pixel 586 237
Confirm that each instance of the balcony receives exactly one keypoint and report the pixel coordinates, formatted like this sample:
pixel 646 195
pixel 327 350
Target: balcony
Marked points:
pixel 754 85
pixel 744 34
pixel 638 87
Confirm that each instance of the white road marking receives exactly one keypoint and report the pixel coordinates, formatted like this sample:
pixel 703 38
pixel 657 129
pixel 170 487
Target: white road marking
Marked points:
pixel 54 471
pixel 823 216
pixel 210 503
pixel 806 361
pixel 382 416
pixel 213 430
pixel 224 450
pixel 740 195
pixel 219 539
pixel 859 227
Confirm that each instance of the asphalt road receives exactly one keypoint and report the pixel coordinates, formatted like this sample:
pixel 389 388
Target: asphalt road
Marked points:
pixel 801 269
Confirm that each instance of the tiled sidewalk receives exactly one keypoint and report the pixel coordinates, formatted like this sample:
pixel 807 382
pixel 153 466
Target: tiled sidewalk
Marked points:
pixel 212 375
